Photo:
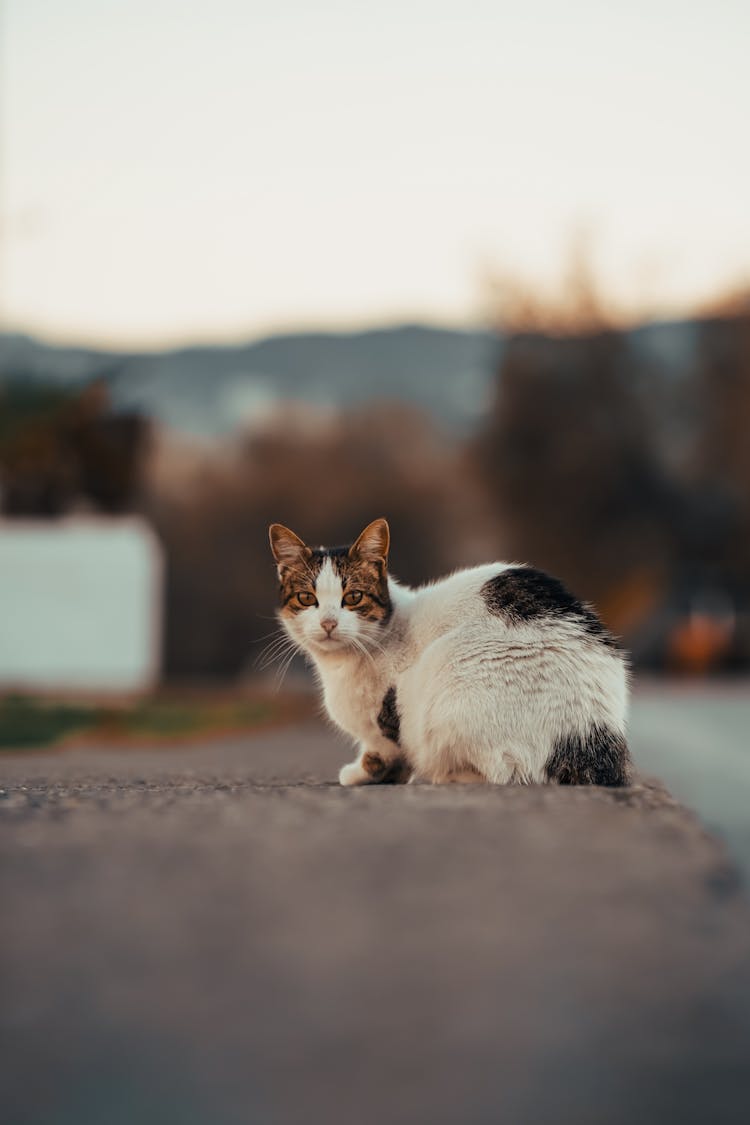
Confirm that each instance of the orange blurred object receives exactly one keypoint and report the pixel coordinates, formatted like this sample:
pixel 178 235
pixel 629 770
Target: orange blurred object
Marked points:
pixel 699 643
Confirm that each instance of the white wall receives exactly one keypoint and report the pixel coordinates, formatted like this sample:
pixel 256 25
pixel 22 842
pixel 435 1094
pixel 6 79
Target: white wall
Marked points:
pixel 80 604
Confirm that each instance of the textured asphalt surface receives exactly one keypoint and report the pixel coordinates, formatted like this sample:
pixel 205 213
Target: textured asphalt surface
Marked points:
pixel 221 936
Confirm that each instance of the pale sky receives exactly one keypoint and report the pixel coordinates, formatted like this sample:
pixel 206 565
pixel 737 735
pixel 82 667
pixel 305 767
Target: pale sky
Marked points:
pixel 176 171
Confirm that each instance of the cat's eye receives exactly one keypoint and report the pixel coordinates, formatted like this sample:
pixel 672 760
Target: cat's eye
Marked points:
pixel 306 597
pixel 353 597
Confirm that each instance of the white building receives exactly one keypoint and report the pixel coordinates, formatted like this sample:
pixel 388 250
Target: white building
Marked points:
pixel 81 605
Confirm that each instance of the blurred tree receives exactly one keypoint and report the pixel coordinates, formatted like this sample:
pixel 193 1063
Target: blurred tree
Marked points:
pixel 568 457
pixel 323 475
pixel 723 454
pixel 61 449
pixel 628 476
pixel 719 539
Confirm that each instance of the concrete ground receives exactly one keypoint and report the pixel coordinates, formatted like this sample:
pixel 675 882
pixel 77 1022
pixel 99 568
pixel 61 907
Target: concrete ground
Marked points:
pixel 696 738
pixel 221 936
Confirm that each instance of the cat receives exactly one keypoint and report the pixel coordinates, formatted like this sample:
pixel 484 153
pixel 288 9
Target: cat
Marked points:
pixel 494 674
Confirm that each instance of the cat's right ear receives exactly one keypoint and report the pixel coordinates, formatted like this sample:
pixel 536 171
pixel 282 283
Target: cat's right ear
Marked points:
pixel 286 547
pixel 373 543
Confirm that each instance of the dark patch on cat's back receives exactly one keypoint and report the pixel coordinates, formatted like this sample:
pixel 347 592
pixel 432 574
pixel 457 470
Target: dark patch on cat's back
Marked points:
pixel 522 593
pixel 388 717
pixel 600 756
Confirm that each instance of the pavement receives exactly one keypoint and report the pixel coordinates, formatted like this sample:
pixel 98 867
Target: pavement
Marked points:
pixel 695 736
pixel 220 935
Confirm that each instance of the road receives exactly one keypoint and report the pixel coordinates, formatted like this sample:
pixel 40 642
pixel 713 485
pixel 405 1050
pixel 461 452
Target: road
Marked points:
pixel 221 936
pixel 696 737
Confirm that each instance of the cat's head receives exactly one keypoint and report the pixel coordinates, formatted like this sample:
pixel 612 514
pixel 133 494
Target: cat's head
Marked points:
pixel 333 598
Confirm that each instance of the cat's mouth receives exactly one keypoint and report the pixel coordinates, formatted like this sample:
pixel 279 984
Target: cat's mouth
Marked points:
pixel 329 641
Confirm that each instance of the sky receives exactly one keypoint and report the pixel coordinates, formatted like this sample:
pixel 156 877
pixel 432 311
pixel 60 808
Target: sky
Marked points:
pixel 175 171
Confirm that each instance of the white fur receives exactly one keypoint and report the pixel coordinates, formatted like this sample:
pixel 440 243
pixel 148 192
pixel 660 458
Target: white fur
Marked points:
pixel 475 694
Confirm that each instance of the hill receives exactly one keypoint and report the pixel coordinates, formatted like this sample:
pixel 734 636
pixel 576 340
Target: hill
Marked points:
pixel 210 390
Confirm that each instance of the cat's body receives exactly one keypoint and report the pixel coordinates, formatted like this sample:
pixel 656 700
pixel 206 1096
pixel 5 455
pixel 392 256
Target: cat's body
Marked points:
pixel 493 674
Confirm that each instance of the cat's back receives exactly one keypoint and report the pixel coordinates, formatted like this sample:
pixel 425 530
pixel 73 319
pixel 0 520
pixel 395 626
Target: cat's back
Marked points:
pixel 457 599
pixel 509 599
pixel 505 658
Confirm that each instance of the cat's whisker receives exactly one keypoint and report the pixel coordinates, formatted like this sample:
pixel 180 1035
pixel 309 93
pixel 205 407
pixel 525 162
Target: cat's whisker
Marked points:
pixel 276 656
pixel 278 636
pixel 374 643
pixel 369 645
pixel 281 650
pixel 267 636
pixel 361 648
pixel 272 660
pixel 275 639
pixel 280 675
pixel 276 650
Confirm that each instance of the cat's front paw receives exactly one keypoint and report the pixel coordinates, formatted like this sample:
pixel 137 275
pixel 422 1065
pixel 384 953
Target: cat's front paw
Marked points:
pixel 372 769
pixel 353 774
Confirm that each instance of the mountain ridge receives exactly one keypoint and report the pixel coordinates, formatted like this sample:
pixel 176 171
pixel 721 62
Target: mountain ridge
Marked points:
pixel 209 390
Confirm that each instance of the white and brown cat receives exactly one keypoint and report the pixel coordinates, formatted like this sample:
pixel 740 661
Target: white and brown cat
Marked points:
pixel 493 674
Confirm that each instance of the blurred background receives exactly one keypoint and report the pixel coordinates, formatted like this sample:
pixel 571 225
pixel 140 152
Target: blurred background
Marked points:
pixel 483 269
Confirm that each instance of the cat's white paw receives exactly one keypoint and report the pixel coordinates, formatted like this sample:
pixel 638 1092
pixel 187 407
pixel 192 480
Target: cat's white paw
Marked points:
pixel 353 774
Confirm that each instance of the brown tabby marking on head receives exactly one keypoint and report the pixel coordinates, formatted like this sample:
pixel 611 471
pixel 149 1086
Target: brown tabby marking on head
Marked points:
pixel 296 568
pixel 360 567
pixel 368 576
pixel 297 579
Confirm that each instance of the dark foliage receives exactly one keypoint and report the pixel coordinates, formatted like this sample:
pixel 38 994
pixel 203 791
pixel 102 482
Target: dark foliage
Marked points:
pixel 523 593
pixel 632 483
pixel 61 450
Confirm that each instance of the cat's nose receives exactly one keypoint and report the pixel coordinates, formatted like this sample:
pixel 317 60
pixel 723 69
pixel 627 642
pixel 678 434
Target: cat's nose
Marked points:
pixel 329 624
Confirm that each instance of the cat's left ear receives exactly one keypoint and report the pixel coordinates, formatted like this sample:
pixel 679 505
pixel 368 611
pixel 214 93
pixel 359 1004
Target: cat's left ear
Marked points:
pixel 373 543
pixel 286 547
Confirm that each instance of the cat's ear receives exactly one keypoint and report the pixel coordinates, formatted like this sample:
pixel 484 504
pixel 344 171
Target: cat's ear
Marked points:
pixel 286 547
pixel 373 543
